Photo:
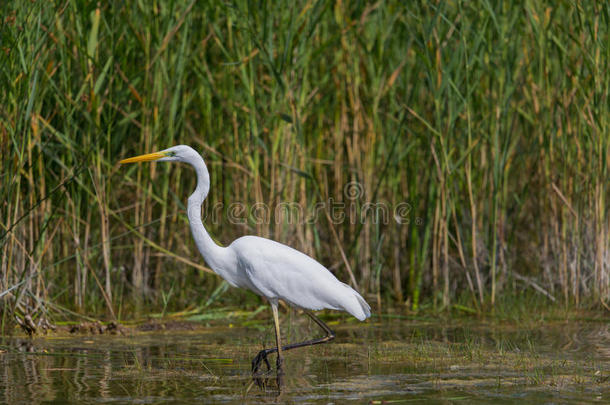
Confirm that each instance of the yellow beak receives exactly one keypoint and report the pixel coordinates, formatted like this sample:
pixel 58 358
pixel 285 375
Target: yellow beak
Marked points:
pixel 144 158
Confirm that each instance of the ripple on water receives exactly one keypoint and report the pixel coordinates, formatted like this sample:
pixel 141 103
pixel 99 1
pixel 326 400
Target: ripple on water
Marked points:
pixel 406 361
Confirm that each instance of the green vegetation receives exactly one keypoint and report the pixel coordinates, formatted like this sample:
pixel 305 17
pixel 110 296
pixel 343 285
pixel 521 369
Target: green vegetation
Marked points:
pixel 481 126
pixel 382 363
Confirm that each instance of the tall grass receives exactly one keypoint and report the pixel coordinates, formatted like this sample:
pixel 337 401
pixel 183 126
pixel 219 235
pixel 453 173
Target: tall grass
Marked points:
pixel 482 126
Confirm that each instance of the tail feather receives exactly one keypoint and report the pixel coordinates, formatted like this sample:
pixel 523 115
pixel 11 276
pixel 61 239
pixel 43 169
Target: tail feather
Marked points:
pixel 366 308
pixel 360 308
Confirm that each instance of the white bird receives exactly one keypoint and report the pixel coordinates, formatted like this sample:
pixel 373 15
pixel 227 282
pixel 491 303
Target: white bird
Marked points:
pixel 268 268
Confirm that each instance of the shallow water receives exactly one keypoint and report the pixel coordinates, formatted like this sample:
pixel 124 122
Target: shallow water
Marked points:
pixel 391 362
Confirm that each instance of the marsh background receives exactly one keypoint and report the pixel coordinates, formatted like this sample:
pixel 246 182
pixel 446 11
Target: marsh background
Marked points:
pixel 482 127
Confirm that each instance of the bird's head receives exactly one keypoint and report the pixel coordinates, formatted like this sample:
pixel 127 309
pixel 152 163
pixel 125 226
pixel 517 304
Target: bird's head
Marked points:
pixel 179 153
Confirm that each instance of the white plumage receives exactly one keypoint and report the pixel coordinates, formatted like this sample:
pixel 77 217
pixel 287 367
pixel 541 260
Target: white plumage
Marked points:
pixel 278 271
pixel 270 269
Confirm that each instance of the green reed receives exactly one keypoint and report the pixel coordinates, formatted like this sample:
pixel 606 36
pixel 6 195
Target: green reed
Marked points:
pixel 488 122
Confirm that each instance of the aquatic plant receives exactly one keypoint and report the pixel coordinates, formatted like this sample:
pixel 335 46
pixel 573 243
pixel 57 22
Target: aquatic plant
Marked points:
pixel 446 152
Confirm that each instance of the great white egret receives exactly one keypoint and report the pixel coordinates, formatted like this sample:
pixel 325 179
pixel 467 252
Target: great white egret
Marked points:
pixel 268 268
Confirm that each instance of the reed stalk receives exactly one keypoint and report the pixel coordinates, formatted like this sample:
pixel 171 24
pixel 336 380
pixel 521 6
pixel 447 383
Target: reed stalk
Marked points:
pixel 481 127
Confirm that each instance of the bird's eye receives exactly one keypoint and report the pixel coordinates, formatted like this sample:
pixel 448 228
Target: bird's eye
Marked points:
pixel 170 154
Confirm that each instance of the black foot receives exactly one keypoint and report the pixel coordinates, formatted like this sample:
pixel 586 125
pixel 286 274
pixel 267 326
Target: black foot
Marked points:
pixel 268 383
pixel 260 357
pixel 265 380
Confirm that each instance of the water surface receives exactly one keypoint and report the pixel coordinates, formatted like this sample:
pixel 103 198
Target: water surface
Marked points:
pixel 395 361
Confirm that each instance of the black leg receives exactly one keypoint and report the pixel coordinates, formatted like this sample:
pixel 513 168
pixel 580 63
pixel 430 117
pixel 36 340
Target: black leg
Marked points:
pixel 262 355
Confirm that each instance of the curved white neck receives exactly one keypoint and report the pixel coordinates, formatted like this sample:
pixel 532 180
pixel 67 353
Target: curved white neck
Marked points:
pixel 215 256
